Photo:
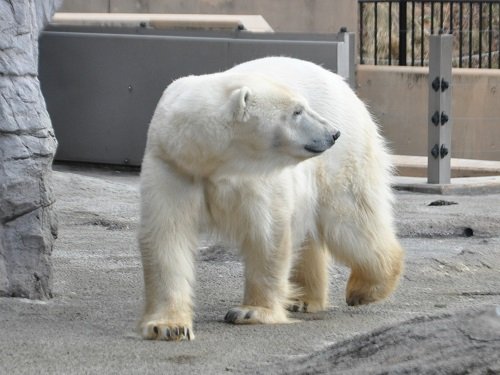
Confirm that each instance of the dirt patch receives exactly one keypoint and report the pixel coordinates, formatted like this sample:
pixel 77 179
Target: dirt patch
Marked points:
pixel 109 224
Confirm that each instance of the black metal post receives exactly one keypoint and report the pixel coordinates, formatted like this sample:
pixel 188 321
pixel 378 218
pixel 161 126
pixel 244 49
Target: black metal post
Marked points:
pixel 361 34
pixel 480 35
pixel 402 32
pixel 422 11
pixel 490 33
pixel 375 31
pixel 390 33
pixel 412 33
pixel 470 34
pixel 460 35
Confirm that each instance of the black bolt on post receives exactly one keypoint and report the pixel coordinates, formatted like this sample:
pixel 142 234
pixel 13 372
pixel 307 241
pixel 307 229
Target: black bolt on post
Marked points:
pixel 444 118
pixel 435 151
pixel 436 84
pixel 443 151
pixel 439 137
pixel 435 118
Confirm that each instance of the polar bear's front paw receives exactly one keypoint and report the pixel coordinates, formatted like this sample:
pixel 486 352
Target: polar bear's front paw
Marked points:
pixel 298 306
pixel 306 306
pixel 256 315
pixel 164 330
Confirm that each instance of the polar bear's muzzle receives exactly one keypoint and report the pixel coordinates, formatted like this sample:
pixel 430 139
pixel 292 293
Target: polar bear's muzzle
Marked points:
pixel 316 134
pixel 336 135
pixel 317 146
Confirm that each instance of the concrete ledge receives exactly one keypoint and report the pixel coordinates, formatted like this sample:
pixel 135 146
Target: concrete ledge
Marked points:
pixel 458 186
pixel 416 166
pixel 253 23
pixel 469 177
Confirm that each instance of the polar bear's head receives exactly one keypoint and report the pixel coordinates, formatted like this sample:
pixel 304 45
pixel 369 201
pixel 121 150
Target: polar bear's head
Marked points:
pixel 233 124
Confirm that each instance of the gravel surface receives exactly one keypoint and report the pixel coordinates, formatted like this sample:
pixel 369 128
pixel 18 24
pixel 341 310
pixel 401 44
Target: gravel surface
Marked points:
pixel 452 265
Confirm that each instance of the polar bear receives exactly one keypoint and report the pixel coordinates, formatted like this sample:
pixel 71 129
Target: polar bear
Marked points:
pixel 254 153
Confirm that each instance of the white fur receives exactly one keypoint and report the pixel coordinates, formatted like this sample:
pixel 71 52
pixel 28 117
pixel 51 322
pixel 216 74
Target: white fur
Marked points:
pixel 231 151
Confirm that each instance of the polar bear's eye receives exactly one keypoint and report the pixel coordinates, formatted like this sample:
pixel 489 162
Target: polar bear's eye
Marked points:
pixel 297 112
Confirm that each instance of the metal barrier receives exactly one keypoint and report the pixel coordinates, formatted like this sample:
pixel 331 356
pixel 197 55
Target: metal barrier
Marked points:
pixel 101 85
pixel 396 32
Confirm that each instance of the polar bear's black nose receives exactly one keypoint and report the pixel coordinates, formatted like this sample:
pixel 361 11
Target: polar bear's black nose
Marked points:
pixel 336 135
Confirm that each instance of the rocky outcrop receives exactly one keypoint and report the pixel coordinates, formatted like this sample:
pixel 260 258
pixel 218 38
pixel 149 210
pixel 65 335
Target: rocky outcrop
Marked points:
pixel 27 147
pixel 453 343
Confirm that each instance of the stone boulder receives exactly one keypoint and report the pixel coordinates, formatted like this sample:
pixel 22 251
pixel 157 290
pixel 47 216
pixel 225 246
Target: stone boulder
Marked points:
pixel 466 342
pixel 27 146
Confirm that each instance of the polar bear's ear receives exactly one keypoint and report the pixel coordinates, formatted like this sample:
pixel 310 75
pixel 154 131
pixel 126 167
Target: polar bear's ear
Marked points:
pixel 239 99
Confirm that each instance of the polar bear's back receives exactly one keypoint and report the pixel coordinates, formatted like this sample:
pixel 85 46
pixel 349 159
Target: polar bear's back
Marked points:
pixel 283 68
pixel 299 75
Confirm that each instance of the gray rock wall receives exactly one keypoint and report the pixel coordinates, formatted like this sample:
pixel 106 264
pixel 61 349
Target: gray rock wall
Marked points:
pixel 27 146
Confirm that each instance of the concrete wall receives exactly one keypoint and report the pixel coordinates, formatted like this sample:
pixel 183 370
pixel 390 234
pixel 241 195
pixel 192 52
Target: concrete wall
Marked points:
pixel 398 99
pixel 398 96
pixel 314 16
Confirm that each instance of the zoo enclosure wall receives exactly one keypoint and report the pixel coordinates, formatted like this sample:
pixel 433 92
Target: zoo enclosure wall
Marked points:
pixel 102 84
pixel 402 109
pixel 396 32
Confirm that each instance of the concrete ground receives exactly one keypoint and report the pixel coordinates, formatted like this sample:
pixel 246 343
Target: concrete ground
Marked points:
pixel 453 263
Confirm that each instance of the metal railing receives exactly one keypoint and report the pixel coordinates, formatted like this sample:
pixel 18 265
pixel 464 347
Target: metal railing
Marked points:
pixel 396 32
